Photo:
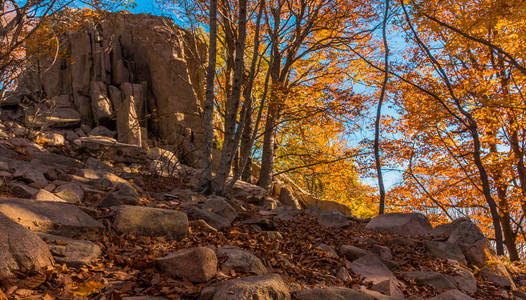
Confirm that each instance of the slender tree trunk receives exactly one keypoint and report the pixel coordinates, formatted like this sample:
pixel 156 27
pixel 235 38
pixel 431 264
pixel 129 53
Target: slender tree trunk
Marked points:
pixel 244 129
pixel 510 236
pixel 206 177
pixel 486 186
pixel 381 187
pixel 225 163
pixel 267 158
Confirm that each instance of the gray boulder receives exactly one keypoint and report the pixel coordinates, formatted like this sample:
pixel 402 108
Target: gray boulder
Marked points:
pixel 445 250
pixel 21 249
pixel 333 219
pixel 151 221
pixel 434 279
pixel 372 269
pixel 401 223
pixel 452 295
pixel 241 260
pixel 51 217
pixel 196 264
pixel 73 253
pixel 333 293
pixel 265 287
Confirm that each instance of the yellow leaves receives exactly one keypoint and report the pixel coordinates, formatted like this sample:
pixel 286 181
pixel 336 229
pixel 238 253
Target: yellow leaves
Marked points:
pixel 86 288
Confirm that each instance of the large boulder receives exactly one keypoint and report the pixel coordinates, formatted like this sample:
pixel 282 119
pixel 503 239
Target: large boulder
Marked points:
pixel 452 295
pixel 286 197
pixel 220 206
pixel 434 279
pixel 468 237
pixel 110 149
pixel 445 250
pixel 21 249
pixel 333 293
pixel 401 223
pixel 196 264
pixel 241 260
pixel 333 219
pixel 73 253
pixel 265 287
pixel 51 217
pixel 372 269
pixel 151 221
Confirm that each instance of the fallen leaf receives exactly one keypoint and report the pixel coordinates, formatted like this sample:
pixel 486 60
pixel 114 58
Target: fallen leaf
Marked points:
pixel 87 288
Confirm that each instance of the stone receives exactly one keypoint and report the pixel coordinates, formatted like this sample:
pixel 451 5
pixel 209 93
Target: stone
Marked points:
pixel 445 250
pixel 328 250
pixel 56 160
pixel 128 127
pixel 460 231
pixel 497 274
pixel 333 219
pixel 388 288
pixel 195 264
pixel 434 279
pixel 263 287
pixel 382 252
pixel 343 274
pixel 286 213
pixel 102 131
pixel 53 139
pixel 219 206
pixel 263 223
pixel 100 103
pixel 151 221
pixel 248 192
pixel 286 197
pixel 61 117
pixel 333 293
pixel 401 223
pixel 109 149
pixel 31 175
pixel 372 269
pixel 22 190
pixel 351 252
pixel 51 217
pixel 478 253
pixel 70 192
pixel 464 279
pixel 73 253
pixel 241 260
pixel 469 238
pixel 215 220
pixel 21 249
pixel 163 161
pixel 452 295
pixel 44 195
pixel 119 198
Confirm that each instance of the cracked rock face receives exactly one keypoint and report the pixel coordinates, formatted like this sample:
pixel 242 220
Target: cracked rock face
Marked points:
pixel 140 75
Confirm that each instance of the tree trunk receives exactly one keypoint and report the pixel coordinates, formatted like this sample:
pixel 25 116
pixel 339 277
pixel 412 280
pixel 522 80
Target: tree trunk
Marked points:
pixel 205 181
pixel 225 163
pixel 267 158
pixel 381 187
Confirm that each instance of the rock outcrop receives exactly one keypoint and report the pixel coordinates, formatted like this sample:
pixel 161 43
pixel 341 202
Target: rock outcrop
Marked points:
pixel 135 73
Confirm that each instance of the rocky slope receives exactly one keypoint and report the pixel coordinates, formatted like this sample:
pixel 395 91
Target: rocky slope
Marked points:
pixel 84 215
